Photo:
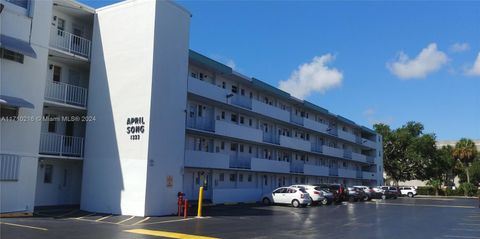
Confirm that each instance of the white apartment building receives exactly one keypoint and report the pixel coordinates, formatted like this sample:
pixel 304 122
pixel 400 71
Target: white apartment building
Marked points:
pixel 109 109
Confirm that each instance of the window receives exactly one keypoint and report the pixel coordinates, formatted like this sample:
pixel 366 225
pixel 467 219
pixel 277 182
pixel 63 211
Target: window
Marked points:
pixel 9 165
pixel 223 84
pixel 222 177
pixel 8 113
pixel 194 75
pixel 265 179
pixel 11 55
pixel 240 177
pixel 233 118
pixel 250 122
pixel 20 3
pixel 65 177
pixel 242 120
pixel 251 95
pixel 249 149
pixel 52 124
pixel 241 147
pixel 234 89
pixel 48 173
pixel 200 110
pixel 60 26
pixel 222 145
pixel 233 177
pixel 57 71
pixel 249 178
pixel 242 91
pixel 233 147
pixel 223 114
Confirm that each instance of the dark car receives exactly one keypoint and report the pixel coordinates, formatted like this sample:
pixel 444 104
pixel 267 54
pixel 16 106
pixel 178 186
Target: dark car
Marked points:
pixel 356 194
pixel 390 192
pixel 339 191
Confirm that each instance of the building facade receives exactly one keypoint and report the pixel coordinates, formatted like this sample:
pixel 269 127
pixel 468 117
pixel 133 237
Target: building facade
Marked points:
pixel 109 109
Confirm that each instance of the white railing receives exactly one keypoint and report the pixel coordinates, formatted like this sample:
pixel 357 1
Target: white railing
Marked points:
pixel 297 166
pixel 66 93
pixel 57 144
pixel 69 42
pixel 240 161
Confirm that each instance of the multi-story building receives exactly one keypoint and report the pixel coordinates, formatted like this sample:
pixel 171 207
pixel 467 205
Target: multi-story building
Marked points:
pixel 115 113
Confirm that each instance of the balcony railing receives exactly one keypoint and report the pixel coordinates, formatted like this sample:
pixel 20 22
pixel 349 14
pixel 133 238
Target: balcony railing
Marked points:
pixel 238 161
pixel 201 159
pixel 61 145
pixel 333 171
pixel 296 119
pixel 66 93
pixel 332 131
pixel 359 174
pixel 201 124
pixel 347 154
pixel 370 159
pixel 297 166
pixel 242 101
pixel 71 43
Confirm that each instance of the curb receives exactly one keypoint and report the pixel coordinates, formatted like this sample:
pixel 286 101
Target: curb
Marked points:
pixel 457 197
pixel 15 214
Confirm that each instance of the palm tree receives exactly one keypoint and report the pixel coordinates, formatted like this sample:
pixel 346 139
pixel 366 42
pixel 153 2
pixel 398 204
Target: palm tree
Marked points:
pixel 465 152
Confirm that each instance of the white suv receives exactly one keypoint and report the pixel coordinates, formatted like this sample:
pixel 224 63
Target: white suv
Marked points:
pixel 316 194
pixel 288 195
pixel 408 191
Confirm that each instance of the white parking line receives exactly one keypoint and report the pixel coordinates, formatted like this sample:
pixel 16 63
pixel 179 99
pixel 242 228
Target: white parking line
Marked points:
pixel 145 219
pixel 122 221
pixel 465 229
pixel 25 226
pixel 177 220
pixel 101 219
pixel 469 224
pixel 91 214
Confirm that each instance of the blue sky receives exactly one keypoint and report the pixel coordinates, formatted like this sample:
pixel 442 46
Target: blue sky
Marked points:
pixel 388 62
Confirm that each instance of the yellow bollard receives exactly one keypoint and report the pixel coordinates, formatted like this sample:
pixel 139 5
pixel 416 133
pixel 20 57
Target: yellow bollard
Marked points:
pixel 200 199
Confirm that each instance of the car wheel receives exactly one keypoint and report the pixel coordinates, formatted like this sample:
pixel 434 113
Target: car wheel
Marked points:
pixel 365 198
pixel 266 201
pixel 295 203
pixel 410 195
pixel 384 196
pixel 324 201
pixel 395 197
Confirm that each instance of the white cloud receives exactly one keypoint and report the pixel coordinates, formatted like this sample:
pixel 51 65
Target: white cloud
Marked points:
pixel 225 60
pixel 459 47
pixel 314 76
pixel 475 69
pixel 427 61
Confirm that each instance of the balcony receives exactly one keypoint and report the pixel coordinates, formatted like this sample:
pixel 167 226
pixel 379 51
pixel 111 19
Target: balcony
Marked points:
pixel 347 173
pixel 200 159
pixel 273 166
pixel 332 131
pixel 70 43
pixel 359 174
pixel 314 125
pixel 315 170
pixel 296 119
pixel 347 136
pixel 238 161
pixel 317 147
pixel 207 90
pixel 369 143
pixel 347 154
pixel 66 93
pixel 61 145
pixel 238 131
pixel 295 143
pixel 333 171
pixel 242 101
pixel 297 166
pixel 270 111
pixel 369 175
pixel 334 152
pixel 359 157
pixel 370 159
pixel 270 138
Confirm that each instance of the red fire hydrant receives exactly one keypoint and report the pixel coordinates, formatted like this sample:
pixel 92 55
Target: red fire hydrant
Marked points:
pixel 182 205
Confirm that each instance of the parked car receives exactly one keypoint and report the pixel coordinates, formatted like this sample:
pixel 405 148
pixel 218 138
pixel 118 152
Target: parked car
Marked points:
pixel 369 192
pixel 297 197
pixel 355 194
pixel 316 194
pixel 328 196
pixel 340 193
pixel 408 191
pixel 390 192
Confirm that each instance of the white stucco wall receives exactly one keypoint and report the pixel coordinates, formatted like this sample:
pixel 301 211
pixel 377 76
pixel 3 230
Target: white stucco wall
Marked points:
pixel 25 81
pixel 123 78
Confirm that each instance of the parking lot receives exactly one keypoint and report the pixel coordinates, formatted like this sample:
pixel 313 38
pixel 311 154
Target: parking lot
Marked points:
pixel 399 218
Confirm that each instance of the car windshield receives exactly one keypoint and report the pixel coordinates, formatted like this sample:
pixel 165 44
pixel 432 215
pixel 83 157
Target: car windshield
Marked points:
pixel 302 190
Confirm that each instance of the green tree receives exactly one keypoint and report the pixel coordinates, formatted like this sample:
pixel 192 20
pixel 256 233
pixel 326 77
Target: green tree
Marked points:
pixel 465 152
pixel 408 152
pixel 435 183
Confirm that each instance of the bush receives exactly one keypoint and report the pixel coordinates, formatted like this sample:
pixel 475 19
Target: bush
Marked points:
pixel 468 189
pixel 425 190
pixel 451 192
